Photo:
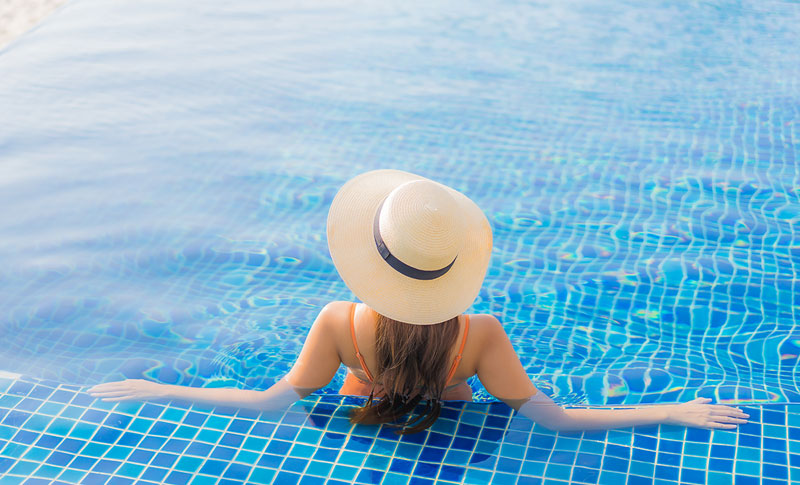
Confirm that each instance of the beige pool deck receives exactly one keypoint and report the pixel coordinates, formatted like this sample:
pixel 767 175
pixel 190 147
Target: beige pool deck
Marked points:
pixel 20 16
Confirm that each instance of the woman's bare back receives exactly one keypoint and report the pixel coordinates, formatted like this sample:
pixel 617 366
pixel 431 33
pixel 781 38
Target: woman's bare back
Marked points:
pixel 487 353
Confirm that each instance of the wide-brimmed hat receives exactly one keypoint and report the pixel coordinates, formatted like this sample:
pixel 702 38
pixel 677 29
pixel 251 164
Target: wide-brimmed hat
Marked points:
pixel 412 249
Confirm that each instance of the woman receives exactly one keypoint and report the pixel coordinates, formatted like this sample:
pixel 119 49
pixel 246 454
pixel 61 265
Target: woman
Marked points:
pixel 415 252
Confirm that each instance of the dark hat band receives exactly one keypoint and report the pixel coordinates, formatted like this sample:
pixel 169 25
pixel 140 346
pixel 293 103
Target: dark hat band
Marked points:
pixel 399 266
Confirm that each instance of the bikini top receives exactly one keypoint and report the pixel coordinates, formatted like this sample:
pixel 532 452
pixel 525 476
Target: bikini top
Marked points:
pixel 364 364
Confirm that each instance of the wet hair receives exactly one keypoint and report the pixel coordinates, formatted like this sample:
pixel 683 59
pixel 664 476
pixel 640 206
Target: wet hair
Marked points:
pixel 413 363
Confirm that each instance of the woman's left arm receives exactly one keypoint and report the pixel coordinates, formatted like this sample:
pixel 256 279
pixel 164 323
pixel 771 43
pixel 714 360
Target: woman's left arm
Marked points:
pixel 314 368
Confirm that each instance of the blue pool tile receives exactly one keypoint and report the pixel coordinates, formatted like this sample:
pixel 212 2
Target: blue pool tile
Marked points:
pixel 177 478
pixel 59 459
pixel 367 475
pixel 516 437
pixel 615 464
pixel 119 481
pixel 151 410
pixel 463 443
pixel 199 449
pixel 722 451
pixel 152 442
pixel 424 469
pixel 49 441
pixel 588 460
pixel 646 442
pixel 693 476
pixel 96 478
pixel 480 460
pixel 16 418
pixel 670 473
pixel 774 457
pixel 106 466
pixel 774 444
pixel 720 465
pixel 36 454
pixel 495 422
pixel 278 447
pixel 638 480
pixel 163 459
pixel 237 471
pixel 213 467
pixel 262 476
pixel 508 465
pixel 117 420
pixel 618 451
pixel 194 418
pixel 106 435
pixel 359 443
pixel 176 445
pixel 451 473
pixel 21 388
pixel 345 473
pixel 26 437
pixel 154 474
pixel 61 396
pixel 231 439
pixel 293 464
pixel 643 455
pixel 332 440
pixel 641 469
pixel 94 416
pixel 311 480
pixel 161 428
pixel 697 434
pixel 668 459
pixel 774 471
pixel 28 404
pixel 477 477
pixel 400 465
pixel 129 438
pixel 326 454
pixel 562 472
pixel 585 475
pixel 432 454
pixel 269 460
pixel 773 417
pixel 83 462
pixel 72 476
pixel 286 432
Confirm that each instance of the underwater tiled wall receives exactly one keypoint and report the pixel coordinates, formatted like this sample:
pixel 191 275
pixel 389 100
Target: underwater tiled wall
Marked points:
pixel 51 432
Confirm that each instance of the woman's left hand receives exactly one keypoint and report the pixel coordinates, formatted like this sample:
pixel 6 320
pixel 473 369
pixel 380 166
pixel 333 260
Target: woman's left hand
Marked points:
pixel 129 389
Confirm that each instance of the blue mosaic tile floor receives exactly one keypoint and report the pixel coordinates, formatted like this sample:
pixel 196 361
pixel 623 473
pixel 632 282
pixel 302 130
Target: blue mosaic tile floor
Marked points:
pixel 56 432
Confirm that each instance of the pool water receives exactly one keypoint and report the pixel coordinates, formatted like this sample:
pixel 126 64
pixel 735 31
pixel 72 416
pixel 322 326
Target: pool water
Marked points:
pixel 165 175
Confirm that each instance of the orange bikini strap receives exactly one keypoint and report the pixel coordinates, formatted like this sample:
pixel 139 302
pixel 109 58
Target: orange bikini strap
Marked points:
pixel 355 344
pixel 460 351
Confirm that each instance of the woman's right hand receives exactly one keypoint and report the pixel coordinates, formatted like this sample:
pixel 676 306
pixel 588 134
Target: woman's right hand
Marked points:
pixel 129 389
pixel 698 413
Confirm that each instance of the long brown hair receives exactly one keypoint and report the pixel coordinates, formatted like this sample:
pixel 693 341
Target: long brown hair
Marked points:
pixel 413 362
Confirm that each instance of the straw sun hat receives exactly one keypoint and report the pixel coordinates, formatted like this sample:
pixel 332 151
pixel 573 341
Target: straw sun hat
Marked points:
pixel 412 249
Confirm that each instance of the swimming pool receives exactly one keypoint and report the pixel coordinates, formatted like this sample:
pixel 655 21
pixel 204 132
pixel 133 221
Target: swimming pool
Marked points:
pixel 166 174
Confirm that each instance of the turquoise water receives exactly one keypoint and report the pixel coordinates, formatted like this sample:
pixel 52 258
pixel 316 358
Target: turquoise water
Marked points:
pixel 166 171
pixel 165 191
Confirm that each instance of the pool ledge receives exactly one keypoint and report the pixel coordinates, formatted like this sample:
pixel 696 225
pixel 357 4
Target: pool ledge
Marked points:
pixel 58 432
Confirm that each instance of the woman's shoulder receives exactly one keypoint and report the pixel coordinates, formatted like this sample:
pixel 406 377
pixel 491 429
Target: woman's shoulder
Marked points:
pixel 335 313
pixel 484 327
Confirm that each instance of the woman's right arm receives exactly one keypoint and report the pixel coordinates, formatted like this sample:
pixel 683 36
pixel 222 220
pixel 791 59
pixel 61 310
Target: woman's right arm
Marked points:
pixel 503 376
pixel 315 367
